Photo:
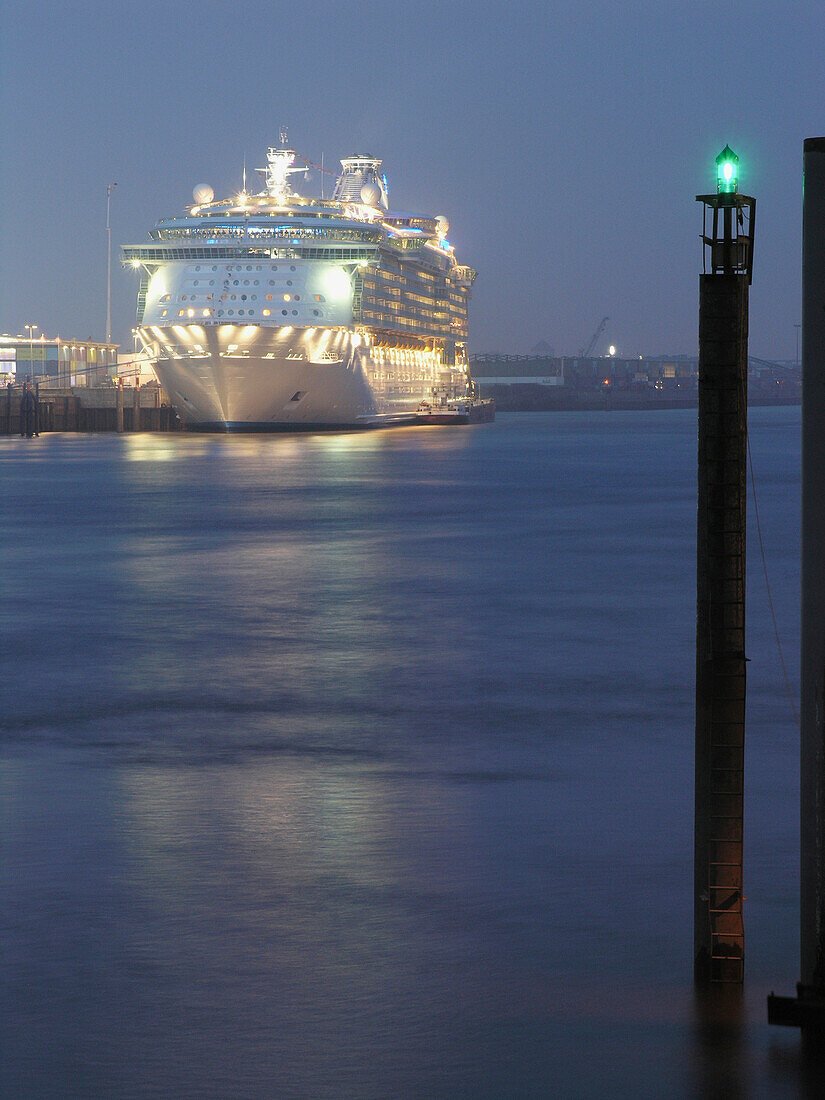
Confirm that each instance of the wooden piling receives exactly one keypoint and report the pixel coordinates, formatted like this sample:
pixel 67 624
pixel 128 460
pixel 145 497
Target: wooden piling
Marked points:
pixel 807 1009
pixel 720 628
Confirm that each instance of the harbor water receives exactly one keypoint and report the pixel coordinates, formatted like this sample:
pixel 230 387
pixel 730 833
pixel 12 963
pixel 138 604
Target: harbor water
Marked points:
pixel 361 765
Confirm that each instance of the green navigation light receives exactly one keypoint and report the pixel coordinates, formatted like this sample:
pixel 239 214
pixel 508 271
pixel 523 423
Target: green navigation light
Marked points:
pixel 727 171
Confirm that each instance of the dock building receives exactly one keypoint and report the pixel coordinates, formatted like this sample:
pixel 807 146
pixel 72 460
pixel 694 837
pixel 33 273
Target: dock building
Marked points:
pixel 60 361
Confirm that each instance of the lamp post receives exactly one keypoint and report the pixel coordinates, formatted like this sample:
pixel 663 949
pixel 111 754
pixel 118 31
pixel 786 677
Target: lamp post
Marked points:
pixel 109 189
pixel 31 329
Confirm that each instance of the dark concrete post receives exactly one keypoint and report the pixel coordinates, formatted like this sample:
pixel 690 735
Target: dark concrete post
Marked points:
pixel 807 1009
pixel 120 405
pixel 719 935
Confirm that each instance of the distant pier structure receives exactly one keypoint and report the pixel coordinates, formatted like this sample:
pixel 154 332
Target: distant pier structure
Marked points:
pixel 728 228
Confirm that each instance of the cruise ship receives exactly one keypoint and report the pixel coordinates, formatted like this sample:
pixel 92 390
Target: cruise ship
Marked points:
pixel 275 311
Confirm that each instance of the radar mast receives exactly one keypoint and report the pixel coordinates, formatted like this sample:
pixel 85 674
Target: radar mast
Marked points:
pixel 279 167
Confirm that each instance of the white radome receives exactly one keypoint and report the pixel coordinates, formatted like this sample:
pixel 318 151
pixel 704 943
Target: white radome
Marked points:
pixel 442 225
pixel 371 194
pixel 203 193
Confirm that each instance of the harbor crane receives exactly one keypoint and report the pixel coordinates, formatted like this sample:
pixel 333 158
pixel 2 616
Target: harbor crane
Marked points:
pixel 585 354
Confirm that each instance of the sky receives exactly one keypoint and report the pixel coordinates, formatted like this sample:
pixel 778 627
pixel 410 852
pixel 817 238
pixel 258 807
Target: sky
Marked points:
pixel 565 141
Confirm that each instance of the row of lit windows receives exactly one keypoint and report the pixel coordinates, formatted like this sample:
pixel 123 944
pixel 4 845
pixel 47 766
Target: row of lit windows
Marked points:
pixel 191 313
pixel 411 282
pixel 378 318
pixel 407 283
pixel 404 273
pixel 427 309
pixel 236 232
pixel 240 268
pixel 145 254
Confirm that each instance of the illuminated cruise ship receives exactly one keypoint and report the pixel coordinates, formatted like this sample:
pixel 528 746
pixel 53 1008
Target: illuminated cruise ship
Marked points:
pixel 275 311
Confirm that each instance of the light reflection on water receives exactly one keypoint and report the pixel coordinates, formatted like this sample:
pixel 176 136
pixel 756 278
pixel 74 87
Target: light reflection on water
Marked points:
pixel 362 764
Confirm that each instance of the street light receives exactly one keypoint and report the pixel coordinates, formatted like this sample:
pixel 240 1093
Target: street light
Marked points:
pixel 31 329
pixel 109 189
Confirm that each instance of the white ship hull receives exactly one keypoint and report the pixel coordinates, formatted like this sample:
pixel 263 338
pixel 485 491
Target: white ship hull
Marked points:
pixel 232 378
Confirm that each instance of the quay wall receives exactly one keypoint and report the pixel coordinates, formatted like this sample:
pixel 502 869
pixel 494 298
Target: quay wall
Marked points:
pixel 528 397
pixel 89 409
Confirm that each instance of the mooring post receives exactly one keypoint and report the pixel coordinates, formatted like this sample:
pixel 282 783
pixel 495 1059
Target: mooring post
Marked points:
pixel 719 935
pixel 807 1009
pixel 120 404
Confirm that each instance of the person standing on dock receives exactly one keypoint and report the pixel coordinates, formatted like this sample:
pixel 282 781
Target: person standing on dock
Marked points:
pixel 28 412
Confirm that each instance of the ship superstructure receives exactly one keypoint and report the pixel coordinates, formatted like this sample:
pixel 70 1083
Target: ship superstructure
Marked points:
pixel 274 310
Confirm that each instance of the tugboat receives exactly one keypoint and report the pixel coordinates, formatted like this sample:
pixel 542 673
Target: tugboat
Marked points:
pixel 445 407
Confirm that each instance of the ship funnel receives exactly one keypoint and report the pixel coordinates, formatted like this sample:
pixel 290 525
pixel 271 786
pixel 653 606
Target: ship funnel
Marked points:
pixel 359 172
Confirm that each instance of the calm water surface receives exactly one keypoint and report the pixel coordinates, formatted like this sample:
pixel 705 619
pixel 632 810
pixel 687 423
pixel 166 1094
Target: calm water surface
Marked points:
pixel 361 765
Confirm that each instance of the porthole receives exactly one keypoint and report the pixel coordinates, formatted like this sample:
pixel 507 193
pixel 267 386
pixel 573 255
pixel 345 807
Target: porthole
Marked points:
pixel 254 297
pixel 197 268
pixel 249 268
pixel 256 281
pixel 231 312
pixel 292 269
pixel 316 313
pixel 243 297
pixel 234 282
pixel 285 312
pixel 297 297
pixel 289 282
pixel 295 313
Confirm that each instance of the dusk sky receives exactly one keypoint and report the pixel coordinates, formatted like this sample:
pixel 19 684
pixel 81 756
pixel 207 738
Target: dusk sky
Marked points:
pixel 565 141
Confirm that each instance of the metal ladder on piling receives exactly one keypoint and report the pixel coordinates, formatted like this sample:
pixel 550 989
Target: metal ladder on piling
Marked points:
pixel 727 927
